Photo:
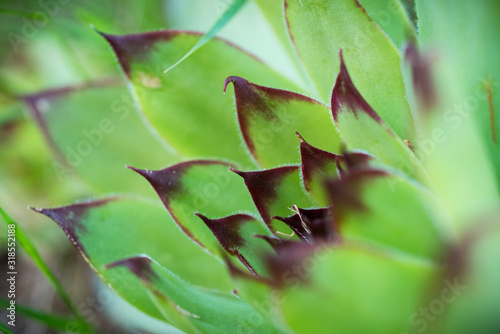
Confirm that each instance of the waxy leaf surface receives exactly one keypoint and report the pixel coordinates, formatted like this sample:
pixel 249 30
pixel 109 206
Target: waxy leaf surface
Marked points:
pixel 321 28
pixel 186 105
pixel 269 118
pixel 106 231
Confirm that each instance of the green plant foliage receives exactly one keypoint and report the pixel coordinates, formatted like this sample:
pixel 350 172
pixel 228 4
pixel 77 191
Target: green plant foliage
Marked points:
pixel 360 197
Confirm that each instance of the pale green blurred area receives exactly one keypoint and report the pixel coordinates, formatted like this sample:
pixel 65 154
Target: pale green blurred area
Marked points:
pixel 46 45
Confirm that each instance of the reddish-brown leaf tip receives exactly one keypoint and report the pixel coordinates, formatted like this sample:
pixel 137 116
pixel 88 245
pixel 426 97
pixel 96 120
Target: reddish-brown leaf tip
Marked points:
pixel 135 47
pixel 226 230
pixel 70 217
pixel 315 161
pixel 139 266
pixel 346 96
pixel 262 187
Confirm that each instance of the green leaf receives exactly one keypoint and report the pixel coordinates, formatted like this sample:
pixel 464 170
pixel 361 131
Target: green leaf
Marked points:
pixel 375 207
pixel 462 132
pixel 321 28
pixel 362 128
pixel 347 284
pixel 5 329
pixel 276 191
pixel 269 118
pixel 241 235
pixel 96 131
pixel 232 10
pixel 32 252
pixel 204 187
pixel 186 105
pixel 392 18
pixel 52 321
pixel 208 311
pixel 108 230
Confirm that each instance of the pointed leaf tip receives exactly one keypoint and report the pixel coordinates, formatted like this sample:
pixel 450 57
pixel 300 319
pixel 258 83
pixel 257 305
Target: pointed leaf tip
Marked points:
pixel 135 47
pixel 345 94
pixel 139 266
pixel 70 217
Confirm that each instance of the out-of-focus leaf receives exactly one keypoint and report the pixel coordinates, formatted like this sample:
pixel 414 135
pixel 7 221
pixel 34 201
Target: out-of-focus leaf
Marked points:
pixel 361 128
pixel 97 132
pixel 52 321
pixel 472 297
pixel 204 187
pixel 348 284
pixel 276 191
pixel 208 311
pixel 269 118
pixel 373 206
pixel 321 28
pixel 186 105
pixel 392 18
pixel 101 229
pixel 459 132
pixel 232 10
pixel 5 329
pixel 30 249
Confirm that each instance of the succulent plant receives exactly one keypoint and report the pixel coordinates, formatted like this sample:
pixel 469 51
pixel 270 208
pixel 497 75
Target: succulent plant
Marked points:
pixel 357 196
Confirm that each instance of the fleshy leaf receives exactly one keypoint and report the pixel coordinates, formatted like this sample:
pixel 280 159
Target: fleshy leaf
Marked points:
pixel 458 132
pixel 374 206
pixel 347 284
pixel 204 187
pixel 321 28
pixel 95 131
pixel 100 229
pixel 275 191
pixel 392 18
pixel 208 311
pixel 186 105
pixel 312 224
pixel 237 235
pixel 269 117
pixel 362 128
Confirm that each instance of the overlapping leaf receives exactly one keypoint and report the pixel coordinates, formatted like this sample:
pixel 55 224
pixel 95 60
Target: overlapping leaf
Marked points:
pixel 321 28
pixel 110 230
pixel 196 120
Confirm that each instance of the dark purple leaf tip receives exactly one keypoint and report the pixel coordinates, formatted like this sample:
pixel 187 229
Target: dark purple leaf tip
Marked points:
pixel 70 219
pixel 315 161
pixel 139 266
pixel 312 224
pixel 226 230
pixel 165 181
pixel 135 47
pixel 262 187
pixel 346 96
pixel 254 100
pixel 345 193
pixel 423 84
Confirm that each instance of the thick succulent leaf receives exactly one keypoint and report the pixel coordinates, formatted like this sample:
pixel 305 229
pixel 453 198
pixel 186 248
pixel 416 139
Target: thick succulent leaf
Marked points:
pixel 321 28
pixel 96 131
pixel 204 187
pixel 108 230
pixel 362 128
pixel 474 297
pixel 312 224
pixel 373 206
pixel 208 311
pixel 237 234
pixel 460 132
pixel 269 118
pixel 273 11
pixel 392 18
pixel 276 191
pixel 348 284
pixel 186 105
